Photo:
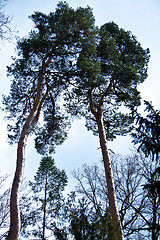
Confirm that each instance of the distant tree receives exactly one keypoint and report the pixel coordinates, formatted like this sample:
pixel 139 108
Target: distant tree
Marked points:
pixel 91 185
pixel 138 210
pixel 151 216
pixel 147 132
pixel 86 224
pixel 85 214
pixel 45 67
pixel 147 136
pixel 4 206
pixel 5 31
pixel 82 222
pixel 40 210
pixel 107 92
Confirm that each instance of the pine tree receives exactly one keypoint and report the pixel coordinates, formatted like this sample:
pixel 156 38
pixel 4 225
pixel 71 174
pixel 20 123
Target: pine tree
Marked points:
pixel 40 211
pixel 45 67
pixel 107 94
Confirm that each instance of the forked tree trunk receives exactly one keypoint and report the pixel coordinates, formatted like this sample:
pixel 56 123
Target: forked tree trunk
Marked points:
pixel 110 180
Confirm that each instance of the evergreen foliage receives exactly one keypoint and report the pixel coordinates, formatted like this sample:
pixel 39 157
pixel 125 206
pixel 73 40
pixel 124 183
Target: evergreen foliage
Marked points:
pixel 49 52
pixel 108 79
pixel 94 71
pixel 147 132
pixel 40 210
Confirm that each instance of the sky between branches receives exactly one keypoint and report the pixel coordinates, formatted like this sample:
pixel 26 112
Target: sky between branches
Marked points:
pixel 141 17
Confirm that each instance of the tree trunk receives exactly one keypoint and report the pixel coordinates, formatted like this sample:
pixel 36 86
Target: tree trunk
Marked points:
pixel 44 209
pixel 14 200
pixel 110 181
pixel 18 177
pixel 154 203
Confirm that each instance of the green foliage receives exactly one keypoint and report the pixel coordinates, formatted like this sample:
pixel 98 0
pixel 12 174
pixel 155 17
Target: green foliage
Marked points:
pixel 45 199
pixel 50 54
pixel 83 222
pixel 54 130
pixel 108 81
pixel 153 185
pixel 147 132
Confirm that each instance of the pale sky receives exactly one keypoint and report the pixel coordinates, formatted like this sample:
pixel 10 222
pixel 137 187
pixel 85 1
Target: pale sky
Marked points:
pixel 141 17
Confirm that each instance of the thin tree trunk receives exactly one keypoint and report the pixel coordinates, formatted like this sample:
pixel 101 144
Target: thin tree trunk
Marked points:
pixel 110 181
pixel 44 209
pixel 154 235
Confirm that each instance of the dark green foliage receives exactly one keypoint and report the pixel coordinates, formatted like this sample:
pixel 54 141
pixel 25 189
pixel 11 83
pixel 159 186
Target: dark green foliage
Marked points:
pixel 44 205
pixel 108 80
pixel 152 191
pixel 50 53
pixel 147 135
pixel 153 185
pixel 83 222
pixel 147 132
pixel 87 225
pixel 54 128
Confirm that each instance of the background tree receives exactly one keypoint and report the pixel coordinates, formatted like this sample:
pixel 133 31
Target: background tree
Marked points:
pixel 131 174
pixel 86 224
pixel 82 222
pixel 110 80
pixel 138 210
pixel 5 31
pixel 152 192
pixel 40 211
pixel 4 206
pixel 147 132
pixel 147 136
pixel 45 67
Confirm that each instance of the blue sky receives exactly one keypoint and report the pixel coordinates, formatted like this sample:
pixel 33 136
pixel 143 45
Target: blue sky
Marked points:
pixel 141 17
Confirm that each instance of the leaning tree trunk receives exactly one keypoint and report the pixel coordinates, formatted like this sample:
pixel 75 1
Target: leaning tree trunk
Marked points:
pixel 14 200
pixel 110 181
pixel 30 121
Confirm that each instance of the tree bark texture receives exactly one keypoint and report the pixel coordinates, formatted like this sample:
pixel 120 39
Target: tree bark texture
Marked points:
pixel 14 201
pixel 109 178
pixel 34 113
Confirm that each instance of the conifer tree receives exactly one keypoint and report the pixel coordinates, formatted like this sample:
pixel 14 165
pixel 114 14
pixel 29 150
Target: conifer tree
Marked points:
pixel 107 94
pixel 147 132
pixel 40 211
pixel 45 67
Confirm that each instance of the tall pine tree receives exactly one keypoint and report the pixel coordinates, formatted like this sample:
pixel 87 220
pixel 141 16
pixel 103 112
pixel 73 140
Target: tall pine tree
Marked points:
pixel 107 94
pixel 45 67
